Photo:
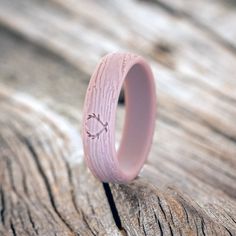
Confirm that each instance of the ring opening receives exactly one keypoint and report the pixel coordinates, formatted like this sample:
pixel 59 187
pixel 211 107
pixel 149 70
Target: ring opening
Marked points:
pixel 136 136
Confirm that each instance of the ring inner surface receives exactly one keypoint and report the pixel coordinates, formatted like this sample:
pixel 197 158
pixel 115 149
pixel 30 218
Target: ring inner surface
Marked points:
pixel 135 137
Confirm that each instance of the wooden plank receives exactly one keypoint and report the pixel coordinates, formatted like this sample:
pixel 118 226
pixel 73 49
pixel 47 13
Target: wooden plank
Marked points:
pixel 218 18
pixel 45 188
pixel 194 145
pixel 42 184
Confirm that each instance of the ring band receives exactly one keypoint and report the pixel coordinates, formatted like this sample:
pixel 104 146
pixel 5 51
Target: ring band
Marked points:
pixel 99 115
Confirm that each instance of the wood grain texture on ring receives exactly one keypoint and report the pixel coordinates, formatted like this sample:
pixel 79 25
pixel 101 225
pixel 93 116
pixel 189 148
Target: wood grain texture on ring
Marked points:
pixel 100 112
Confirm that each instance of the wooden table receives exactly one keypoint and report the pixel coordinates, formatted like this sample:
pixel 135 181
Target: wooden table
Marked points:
pixel 48 50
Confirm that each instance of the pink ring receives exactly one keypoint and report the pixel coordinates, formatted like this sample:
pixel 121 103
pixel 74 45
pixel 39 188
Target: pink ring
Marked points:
pixel 100 114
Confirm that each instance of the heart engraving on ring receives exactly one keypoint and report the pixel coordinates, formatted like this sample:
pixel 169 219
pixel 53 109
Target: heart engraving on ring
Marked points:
pixel 104 126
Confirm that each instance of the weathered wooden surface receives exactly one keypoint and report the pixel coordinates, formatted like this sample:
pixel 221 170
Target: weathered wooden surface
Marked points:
pixel 47 190
pixel 49 49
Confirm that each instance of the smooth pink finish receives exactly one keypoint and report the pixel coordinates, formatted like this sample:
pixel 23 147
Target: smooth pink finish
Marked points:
pixel 100 113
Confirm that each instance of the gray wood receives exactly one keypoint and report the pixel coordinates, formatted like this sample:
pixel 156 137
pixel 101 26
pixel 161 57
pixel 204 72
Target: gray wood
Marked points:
pixel 49 49
pixel 46 188
pixel 217 18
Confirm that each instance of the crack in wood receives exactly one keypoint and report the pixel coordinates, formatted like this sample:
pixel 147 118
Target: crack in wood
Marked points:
pixel 47 184
pixel 203 227
pixel 112 204
pixel 144 230
pixel 87 223
pixel 185 212
pixel 32 222
pixel 162 210
pixel 13 229
pixel 2 210
pixel 160 227
pixel 228 231
pixel 171 230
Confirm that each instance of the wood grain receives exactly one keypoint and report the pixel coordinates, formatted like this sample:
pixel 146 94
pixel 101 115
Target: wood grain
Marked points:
pixel 188 185
pixel 46 188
